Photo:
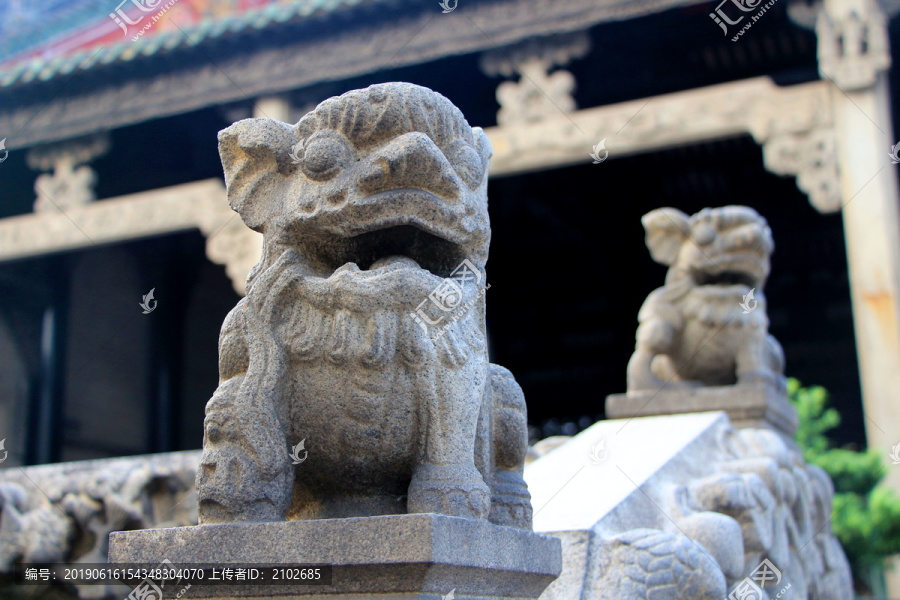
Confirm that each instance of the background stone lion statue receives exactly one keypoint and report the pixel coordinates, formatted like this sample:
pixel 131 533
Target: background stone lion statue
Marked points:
pixel 707 326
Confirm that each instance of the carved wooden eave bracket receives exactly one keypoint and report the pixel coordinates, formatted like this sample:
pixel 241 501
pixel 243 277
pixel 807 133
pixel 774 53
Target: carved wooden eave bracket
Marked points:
pixel 794 125
pixel 810 156
pixel 233 244
pixel 197 205
pixel 70 181
pixel 538 93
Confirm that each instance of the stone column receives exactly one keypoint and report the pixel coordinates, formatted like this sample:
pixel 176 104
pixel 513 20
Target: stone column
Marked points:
pixel 854 55
pixel 858 66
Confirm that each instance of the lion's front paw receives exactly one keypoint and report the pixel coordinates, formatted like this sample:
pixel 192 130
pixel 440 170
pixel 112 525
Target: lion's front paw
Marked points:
pixel 511 502
pixel 452 490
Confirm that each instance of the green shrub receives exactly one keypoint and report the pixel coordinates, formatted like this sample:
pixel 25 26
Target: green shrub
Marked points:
pixel 865 517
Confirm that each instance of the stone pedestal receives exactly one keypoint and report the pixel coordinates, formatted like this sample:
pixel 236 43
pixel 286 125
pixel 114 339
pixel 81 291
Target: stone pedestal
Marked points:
pixel 419 556
pixel 746 405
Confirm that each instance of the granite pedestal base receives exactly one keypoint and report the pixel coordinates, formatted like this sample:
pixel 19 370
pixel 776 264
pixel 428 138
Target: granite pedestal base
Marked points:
pixel 408 557
pixel 746 405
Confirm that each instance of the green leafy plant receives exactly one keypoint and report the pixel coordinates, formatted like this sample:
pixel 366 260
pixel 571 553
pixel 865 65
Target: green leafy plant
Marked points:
pixel 865 517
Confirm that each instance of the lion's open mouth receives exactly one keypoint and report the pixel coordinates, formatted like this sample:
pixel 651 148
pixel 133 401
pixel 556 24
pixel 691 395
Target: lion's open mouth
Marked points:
pixel 727 278
pixel 389 246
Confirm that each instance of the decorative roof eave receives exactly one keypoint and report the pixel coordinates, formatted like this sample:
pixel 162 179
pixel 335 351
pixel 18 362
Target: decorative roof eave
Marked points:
pixel 38 70
pixel 102 96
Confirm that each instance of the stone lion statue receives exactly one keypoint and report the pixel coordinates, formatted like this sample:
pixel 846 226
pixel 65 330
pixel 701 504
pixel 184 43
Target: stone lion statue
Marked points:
pixel 354 377
pixel 707 326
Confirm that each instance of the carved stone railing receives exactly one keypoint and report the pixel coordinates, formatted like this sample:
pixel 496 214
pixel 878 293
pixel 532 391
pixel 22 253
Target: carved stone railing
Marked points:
pixel 686 507
pixel 64 512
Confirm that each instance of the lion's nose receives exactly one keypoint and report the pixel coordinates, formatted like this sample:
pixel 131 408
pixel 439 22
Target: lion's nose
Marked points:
pixel 410 161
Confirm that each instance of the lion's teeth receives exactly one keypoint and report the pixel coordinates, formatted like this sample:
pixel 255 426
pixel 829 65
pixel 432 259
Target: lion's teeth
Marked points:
pixel 351 266
pixel 390 261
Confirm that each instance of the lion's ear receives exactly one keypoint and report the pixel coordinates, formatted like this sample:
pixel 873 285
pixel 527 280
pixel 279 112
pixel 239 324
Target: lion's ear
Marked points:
pixel 666 229
pixel 482 144
pixel 255 154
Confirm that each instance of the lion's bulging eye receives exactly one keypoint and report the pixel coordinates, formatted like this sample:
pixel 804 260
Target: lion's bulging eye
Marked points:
pixel 323 157
pixel 704 234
